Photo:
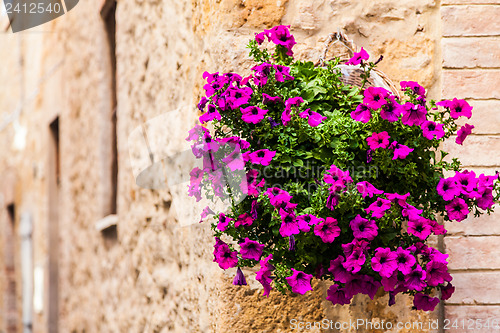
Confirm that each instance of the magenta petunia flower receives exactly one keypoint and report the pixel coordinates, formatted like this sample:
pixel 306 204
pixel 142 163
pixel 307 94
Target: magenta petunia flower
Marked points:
pixel 401 151
pixel 327 230
pixel 206 211
pixel 425 302
pixel 282 73
pixel 250 249
pixel 262 156
pixel 264 274
pixel 337 177
pixel 223 222
pixel 355 260
pixel 463 132
pixel 413 115
pixel 378 208
pixel 389 283
pixel 437 273
pixel 237 97
pixel 362 113
pixel 447 291
pixel 366 189
pixel 392 110
pixel 457 209
pixel 378 140
pixel 289 224
pixel 370 286
pixel 432 130
pixel 337 295
pixel 384 262
pixel 225 257
pixel 262 73
pixel 448 188
pixel 358 57
pixel 260 37
pixel 280 35
pixel 420 228
pixel 458 108
pixel 267 99
pixel 486 201
pixel 414 87
pixel 252 114
pixel 405 260
pixel 314 119
pixel 243 219
pixel 399 198
pixel 239 279
pixel 374 97
pixel 293 101
pixel 338 271
pixel 415 280
pixel 363 228
pixel 308 220
pixel 203 102
pixel 291 243
pixel 277 196
pixel 300 282
pixel 466 180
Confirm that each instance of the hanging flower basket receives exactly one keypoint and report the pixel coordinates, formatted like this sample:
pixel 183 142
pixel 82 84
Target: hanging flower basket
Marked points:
pixel 331 179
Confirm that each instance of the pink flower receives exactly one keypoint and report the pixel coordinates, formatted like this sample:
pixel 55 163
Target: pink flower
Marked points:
pixel 401 151
pixel 260 37
pixel 405 261
pixel 314 119
pixel 243 219
pixel 448 188
pixel 457 107
pixel 457 209
pixel 413 115
pixel 308 220
pixel 225 257
pixel 223 222
pixel 414 87
pixel 447 291
pixel 327 230
pixel 374 97
pixel 358 57
pixel 252 114
pixel 211 114
pixel 378 140
pixel 289 224
pixel 282 73
pixel 362 113
pixel 251 249
pixel 337 295
pixel 378 208
pixel 286 116
pixel 363 228
pixel 425 302
pixel 300 282
pixel 267 99
pixel 384 262
pixel 264 274
pixel 392 110
pixel 340 274
pixel 262 156
pixel 415 280
pixel 239 279
pixel 463 132
pixel 420 228
pixel 280 35
pixel 437 273
pixel 431 130
pixel 367 189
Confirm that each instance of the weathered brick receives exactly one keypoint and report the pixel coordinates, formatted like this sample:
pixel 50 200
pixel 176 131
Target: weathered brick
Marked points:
pixel 472 252
pixel 471 52
pixel 464 318
pixel 480 84
pixel 475 20
pixel 469 2
pixel 475 151
pixel 484 225
pixel 485 117
pixel 476 287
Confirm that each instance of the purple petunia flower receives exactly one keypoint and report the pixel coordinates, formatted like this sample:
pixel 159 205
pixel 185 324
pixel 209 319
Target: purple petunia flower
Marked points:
pixel 282 73
pixel 437 273
pixel 413 115
pixel 448 188
pixel 400 151
pixel 358 57
pixel 223 222
pixel 253 114
pixel 463 132
pixel 262 73
pixel 239 279
pixel 367 189
pixel 237 97
pixel 379 207
pixel 363 228
pixel 378 140
pixel 362 113
pixel 307 220
pixel 291 243
pixel 300 282
pixel 332 201
pixel 374 97
pixel 457 209
pixel 414 87
pixel 327 230
pixel 314 119
pixel 280 35
pixel 260 37
pixel 267 99
pixel 405 260
pixel 392 110
pixel 400 199
pixel 420 228
pixel 384 262
pixel 243 219
pixel 431 130
pixel 337 295
pixel 355 260
pixel 458 108
pixel 272 122
pixel 262 156
pixel 264 274
pixel 415 280
pixel 447 291
pixel 289 224
pixel 225 257
pixel 425 302
pixel 203 102
pixel 340 274
pixel 250 249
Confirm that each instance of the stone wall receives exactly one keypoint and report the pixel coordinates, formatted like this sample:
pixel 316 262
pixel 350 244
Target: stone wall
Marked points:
pixel 157 275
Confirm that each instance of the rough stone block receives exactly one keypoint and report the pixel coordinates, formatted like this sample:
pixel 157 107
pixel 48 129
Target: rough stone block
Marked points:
pixel 479 84
pixel 471 52
pixel 464 318
pixel 485 116
pixel 484 225
pixel 475 20
pixel 472 252
pixel 475 151
pixel 475 288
